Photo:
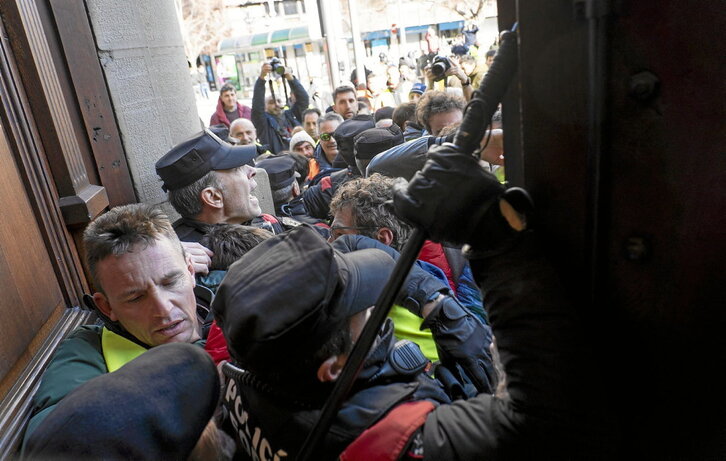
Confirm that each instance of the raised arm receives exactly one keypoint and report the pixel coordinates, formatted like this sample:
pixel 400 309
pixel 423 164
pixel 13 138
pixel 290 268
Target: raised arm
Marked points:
pixel 258 103
pixel 302 100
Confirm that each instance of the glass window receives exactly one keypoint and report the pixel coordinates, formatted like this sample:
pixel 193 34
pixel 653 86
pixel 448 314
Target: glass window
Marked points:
pixel 290 7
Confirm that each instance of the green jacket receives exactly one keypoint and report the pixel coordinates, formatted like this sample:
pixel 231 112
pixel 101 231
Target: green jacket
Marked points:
pixel 89 351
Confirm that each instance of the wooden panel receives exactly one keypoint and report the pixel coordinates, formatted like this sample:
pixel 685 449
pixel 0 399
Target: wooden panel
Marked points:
pixel 23 139
pixel 95 105
pixel 31 37
pixel 23 380
pixel 658 320
pixel 40 272
pixel 668 233
pixel 27 280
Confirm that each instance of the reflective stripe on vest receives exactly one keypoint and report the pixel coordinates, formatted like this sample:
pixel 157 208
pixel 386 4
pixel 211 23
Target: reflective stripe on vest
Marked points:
pixel 117 350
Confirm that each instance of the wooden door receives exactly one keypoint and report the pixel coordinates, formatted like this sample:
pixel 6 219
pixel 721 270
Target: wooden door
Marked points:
pixel 28 283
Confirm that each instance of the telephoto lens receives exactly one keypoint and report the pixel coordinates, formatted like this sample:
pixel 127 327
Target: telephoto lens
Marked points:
pixel 277 66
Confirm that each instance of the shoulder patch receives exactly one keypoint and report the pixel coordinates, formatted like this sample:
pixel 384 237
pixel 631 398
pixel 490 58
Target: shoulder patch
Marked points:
pixel 289 222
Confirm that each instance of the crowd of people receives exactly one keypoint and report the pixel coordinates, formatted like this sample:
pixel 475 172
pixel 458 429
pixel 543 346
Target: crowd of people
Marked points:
pixel 469 364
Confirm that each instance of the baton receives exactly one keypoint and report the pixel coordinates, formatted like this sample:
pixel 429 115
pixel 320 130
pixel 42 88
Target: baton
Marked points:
pixel 478 111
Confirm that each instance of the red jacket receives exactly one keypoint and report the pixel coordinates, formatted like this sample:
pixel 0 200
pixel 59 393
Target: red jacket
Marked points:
pixel 220 117
pixel 433 253
pixel 216 345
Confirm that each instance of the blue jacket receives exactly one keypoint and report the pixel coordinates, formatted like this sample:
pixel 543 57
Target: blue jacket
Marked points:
pixel 272 131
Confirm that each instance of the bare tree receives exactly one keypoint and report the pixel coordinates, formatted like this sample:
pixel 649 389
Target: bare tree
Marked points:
pixel 203 24
pixel 467 9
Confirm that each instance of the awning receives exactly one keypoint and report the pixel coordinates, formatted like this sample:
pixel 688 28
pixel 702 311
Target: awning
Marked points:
pixel 259 39
pixel 267 38
pixel 417 29
pixel 451 25
pixel 377 35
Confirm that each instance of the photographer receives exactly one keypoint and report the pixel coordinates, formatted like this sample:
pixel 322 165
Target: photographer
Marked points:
pixel 444 68
pixel 274 124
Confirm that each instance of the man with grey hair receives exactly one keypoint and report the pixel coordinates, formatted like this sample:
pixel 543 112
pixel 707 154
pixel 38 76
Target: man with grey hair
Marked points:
pixel 145 297
pixel 362 206
pixel 243 130
pixel 327 148
pixel 210 181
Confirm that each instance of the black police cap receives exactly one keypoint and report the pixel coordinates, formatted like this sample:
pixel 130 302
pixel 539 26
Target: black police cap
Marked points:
pixel 345 135
pixel 372 142
pixel 316 290
pixel 280 170
pixel 190 160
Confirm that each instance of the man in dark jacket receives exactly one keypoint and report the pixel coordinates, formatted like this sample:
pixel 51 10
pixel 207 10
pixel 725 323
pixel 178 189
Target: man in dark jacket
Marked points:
pixel 327 148
pixel 405 117
pixel 546 413
pixel 317 197
pixel 145 297
pixel 210 181
pixel 274 124
pixel 293 340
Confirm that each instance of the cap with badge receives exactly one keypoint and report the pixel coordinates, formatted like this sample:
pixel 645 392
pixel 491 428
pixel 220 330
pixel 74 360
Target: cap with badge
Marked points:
pixel 280 170
pixel 316 290
pixel 190 160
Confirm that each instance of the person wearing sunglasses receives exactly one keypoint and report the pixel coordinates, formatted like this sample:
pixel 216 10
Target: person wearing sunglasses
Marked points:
pixel 327 148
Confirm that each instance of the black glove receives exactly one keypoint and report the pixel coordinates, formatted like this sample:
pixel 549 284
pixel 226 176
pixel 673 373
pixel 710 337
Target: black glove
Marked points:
pixel 420 286
pixel 461 338
pixel 454 199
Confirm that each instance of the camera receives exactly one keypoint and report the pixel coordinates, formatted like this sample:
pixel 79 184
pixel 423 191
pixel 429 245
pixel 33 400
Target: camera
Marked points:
pixel 277 66
pixel 439 66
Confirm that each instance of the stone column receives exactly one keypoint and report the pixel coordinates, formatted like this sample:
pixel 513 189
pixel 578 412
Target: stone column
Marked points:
pixel 141 51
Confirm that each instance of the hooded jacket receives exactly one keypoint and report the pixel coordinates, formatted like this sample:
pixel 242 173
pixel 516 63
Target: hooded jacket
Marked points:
pixel 219 117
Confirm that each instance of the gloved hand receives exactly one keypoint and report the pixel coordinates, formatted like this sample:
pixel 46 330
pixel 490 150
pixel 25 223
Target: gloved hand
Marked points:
pixel 461 338
pixel 420 286
pixel 454 199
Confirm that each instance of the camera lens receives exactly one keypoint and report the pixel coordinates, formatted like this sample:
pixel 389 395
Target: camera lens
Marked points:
pixel 438 69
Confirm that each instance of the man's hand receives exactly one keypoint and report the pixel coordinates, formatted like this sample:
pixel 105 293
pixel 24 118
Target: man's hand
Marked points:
pixel 288 73
pixel 454 199
pixel 461 338
pixel 265 70
pixel 430 77
pixel 201 256
pixel 456 70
